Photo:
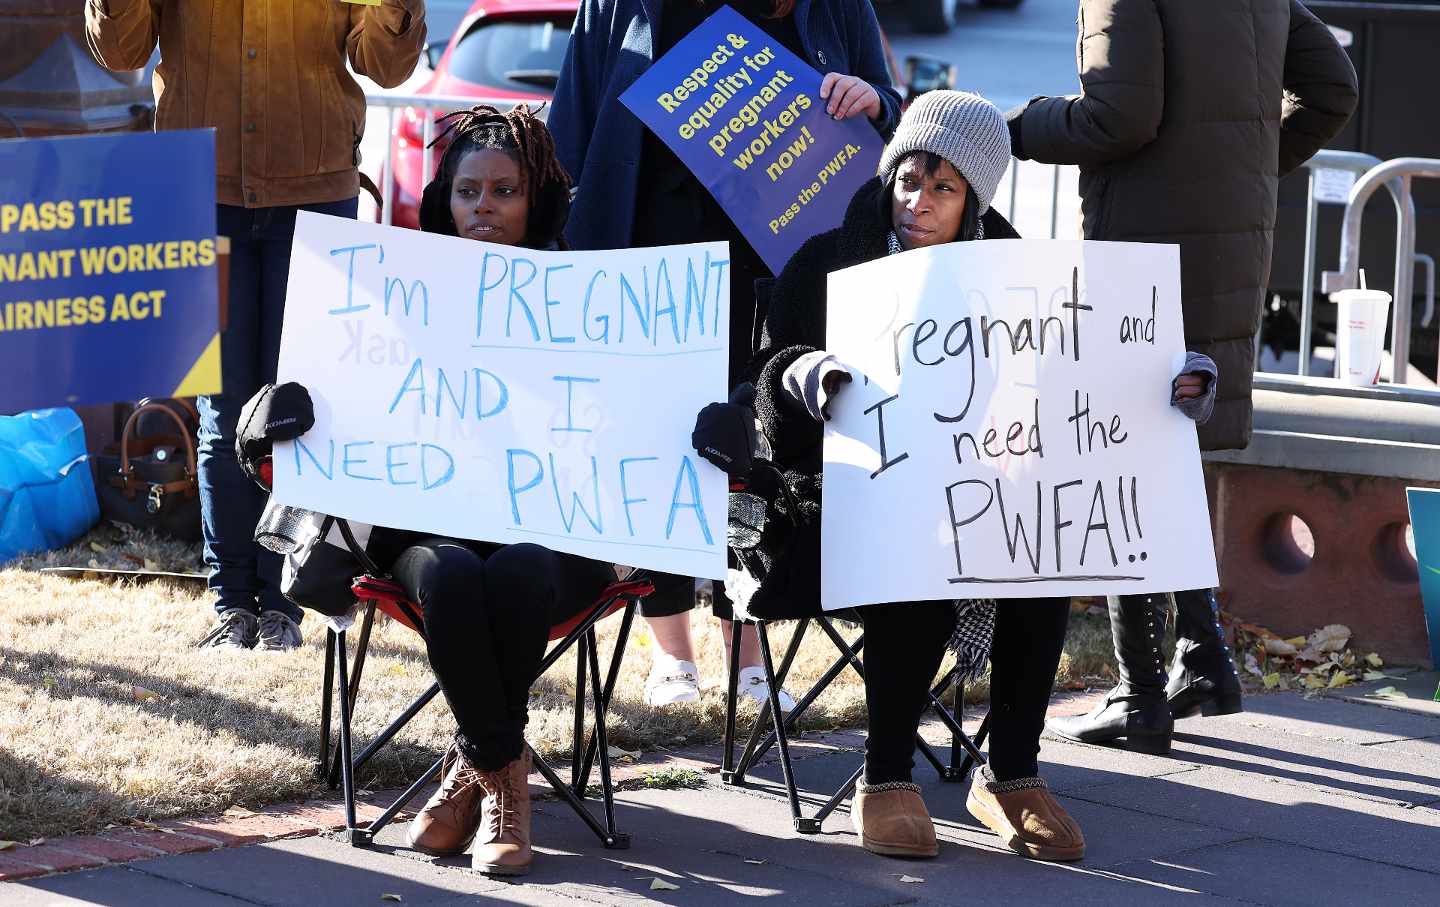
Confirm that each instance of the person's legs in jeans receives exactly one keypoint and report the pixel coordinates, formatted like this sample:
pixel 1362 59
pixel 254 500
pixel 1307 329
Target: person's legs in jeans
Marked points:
pixel 904 645
pixel 1029 637
pixel 276 240
pixel 230 504
pixel 242 574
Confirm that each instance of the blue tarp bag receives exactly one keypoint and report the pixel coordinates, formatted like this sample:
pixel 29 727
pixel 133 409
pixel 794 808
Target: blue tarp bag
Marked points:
pixel 47 495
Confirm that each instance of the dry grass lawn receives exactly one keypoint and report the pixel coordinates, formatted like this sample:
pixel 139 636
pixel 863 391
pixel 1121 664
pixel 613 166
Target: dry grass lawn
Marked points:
pixel 109 714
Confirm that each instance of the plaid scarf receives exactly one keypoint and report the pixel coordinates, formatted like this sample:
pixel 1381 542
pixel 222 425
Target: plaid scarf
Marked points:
pixel 974 617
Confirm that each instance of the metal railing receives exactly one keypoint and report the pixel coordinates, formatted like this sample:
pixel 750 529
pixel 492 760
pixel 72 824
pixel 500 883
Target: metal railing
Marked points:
pixel 433 105
pixel 1400 171
pixel 1013 172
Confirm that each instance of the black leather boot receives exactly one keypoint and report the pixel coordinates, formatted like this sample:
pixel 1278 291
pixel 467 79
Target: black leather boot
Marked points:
pixel 1136 709
pixel 1203 679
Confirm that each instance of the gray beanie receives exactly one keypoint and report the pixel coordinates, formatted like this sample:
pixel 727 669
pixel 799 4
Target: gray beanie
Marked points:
pixel 964 129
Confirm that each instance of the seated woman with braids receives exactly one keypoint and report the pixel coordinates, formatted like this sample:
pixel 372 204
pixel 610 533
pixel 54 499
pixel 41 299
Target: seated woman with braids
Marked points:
pixel 488 608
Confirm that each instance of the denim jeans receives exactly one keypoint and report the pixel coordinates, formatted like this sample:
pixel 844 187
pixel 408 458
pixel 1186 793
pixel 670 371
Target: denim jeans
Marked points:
pixel 242 574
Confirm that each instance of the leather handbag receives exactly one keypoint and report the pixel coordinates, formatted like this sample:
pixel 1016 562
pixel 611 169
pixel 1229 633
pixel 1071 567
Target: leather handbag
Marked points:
pixel 150 481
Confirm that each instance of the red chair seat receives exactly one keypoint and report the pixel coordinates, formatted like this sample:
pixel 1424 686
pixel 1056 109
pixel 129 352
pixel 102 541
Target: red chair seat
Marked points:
pixel 391 598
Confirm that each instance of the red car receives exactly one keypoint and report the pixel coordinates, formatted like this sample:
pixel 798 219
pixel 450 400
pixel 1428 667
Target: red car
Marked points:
pixel 510 49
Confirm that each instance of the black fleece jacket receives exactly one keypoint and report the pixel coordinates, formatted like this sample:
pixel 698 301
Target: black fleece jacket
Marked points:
pixel 793 326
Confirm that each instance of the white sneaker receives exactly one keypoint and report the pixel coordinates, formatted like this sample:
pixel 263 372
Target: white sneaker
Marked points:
pixel 752 684
pixel 672 681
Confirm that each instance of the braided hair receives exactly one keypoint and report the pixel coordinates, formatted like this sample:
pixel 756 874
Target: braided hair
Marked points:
pixel 522 135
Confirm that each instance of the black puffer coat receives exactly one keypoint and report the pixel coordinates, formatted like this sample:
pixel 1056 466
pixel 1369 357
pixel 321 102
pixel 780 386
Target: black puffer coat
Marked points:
pixel 1190 114
pixel 794 326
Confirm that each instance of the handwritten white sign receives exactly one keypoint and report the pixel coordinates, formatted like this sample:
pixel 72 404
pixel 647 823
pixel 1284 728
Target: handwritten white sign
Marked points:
pixel 1009 432
pixel 507 394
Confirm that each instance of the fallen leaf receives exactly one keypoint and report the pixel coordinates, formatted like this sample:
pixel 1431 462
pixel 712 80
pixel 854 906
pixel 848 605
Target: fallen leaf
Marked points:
pixel 1338 679
pixel 364 793
pixel 35 842
pixel 910 879
pixel 756 862
pixel 1272 681
pixel 238 812
pixel 1389 693
pixel 1377 675
pixel 94 564
pixel 659 884
pixel 1252 666
pixel 617 753
pixel 1280 647
pixel 1313 682
pixel 6 845
pixel 1296 641
pixel 391 897
pixel 151 565
pixel 1331 638
pixel 1374 661
pixel 141 694
pixel 1257 630
pixel 98 548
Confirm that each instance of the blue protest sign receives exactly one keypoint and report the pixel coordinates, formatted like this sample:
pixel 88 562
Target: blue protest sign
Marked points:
pixel 108 285
pixel 745 115
pixel 1425 523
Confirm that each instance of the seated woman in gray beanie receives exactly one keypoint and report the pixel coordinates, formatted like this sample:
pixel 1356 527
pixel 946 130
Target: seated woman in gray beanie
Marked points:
pixel 937 178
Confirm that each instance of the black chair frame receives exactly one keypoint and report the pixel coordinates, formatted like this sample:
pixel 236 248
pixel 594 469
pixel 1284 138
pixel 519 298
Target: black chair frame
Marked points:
pixel 338 767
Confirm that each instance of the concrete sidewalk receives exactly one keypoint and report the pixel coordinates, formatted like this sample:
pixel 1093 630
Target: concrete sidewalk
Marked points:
pixel 1295 802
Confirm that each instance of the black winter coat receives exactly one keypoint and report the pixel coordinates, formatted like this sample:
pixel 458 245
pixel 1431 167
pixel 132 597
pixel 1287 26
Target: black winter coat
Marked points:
pixel 1190 114
pixel 793 326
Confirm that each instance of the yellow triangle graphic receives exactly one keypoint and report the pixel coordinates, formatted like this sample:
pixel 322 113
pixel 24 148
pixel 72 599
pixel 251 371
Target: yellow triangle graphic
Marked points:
pixel 204 376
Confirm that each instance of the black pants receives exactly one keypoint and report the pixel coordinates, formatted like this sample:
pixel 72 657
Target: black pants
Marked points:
pixel 904 645
pixel 487 622
pixel 675 594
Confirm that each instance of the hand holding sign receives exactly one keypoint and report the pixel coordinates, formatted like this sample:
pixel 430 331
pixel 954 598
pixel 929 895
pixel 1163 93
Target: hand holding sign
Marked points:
pixel 847 96
pixel 1009 432
pixel 782 150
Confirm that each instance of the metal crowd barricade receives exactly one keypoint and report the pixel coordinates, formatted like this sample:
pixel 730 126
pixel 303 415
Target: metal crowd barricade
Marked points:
pixel 1014 174
pixel 1396 175
pixel 433 105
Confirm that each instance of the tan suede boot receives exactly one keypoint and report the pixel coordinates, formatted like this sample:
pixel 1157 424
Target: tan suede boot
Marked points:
pixel 891 820
pixel 502 846
pixel 449 819
pixel 1027 817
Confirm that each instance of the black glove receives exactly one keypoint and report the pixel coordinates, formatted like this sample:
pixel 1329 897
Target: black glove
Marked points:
pixel 725 435
pixel 276 413
pixel 1013 117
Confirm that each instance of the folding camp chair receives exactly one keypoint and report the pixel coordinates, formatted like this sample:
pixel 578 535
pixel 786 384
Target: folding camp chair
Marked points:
pixel 771 729
pixel 375 591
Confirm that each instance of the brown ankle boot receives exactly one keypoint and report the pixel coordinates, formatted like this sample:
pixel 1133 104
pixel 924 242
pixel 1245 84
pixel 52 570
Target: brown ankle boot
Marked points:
pixel 502 846
pixel 448 822
pixel 891 820
pixel 1027 817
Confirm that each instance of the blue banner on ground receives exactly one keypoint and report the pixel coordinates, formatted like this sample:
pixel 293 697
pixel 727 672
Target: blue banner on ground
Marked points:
pixel 745 115
pixel 1425 523
pixel 108 283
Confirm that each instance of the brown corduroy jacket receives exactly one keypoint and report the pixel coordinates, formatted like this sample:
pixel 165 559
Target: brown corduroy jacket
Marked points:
pixel 269 76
